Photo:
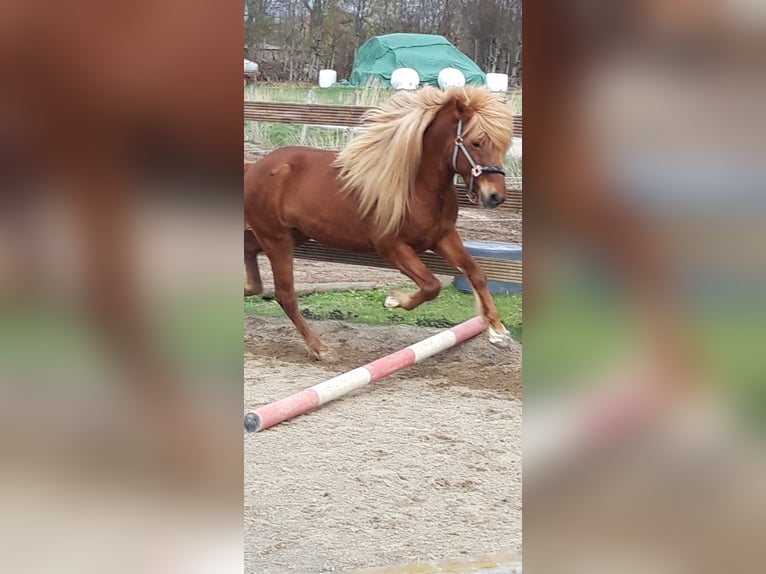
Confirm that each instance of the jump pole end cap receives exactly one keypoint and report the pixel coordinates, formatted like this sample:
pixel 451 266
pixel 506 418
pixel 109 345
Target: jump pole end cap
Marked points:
pixel 252 422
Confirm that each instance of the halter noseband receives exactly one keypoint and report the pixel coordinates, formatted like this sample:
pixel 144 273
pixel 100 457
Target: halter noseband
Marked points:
pixel 476 169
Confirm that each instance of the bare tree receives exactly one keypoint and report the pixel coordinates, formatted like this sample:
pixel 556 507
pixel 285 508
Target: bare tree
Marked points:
pixel 258 24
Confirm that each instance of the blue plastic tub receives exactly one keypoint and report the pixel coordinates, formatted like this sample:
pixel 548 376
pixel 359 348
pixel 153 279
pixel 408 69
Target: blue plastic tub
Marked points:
pixel 495 250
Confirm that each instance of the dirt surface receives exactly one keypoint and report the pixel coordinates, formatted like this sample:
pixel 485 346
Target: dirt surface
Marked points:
pixel 475 364
pixel 424 465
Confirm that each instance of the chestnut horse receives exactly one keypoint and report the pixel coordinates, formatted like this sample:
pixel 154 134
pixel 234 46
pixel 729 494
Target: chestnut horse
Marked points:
pixel 390 191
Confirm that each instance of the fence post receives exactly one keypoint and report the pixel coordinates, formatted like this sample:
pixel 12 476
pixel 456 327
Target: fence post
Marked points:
pixel 305 128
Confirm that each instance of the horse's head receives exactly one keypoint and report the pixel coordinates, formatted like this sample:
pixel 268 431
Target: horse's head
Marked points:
pixel 482 136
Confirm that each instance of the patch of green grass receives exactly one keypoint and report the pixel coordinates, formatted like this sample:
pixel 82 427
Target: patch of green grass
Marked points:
pixel 335 95
pixel 514 96
pixel 448 309
pixel 512 166
pixel 277 135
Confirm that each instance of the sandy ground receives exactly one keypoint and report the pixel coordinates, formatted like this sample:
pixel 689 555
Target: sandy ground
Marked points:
pixel 423 465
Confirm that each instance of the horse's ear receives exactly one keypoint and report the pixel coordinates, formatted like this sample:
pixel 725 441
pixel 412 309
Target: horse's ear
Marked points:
pixel 463 110
pixel 460 108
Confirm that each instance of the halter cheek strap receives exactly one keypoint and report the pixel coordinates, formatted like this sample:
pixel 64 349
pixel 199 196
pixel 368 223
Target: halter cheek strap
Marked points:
pixel 476 169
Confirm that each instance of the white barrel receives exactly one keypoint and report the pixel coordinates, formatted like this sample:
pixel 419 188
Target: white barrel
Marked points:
pixel 250 67
pixel 450 78
pixel 404 79
pixel 327 78
pixel 497 82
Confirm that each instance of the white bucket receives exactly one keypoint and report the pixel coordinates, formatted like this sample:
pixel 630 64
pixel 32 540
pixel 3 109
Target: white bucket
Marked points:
pixel 405 79
pixel 497 82
pixel 450 78
pixel 327 78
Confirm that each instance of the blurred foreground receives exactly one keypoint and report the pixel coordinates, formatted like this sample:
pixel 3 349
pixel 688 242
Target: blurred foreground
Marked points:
pixel 645 402
pixel 120 286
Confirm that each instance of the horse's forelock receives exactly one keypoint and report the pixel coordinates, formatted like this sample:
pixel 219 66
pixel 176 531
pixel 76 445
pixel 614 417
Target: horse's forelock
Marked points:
pixel 489 115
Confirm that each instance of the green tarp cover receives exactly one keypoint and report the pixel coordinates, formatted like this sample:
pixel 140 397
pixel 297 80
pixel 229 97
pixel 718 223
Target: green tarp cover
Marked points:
pixel 425 53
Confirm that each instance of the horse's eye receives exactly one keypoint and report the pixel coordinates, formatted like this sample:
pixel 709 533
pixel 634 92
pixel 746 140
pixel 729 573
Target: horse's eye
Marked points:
pixel 475 144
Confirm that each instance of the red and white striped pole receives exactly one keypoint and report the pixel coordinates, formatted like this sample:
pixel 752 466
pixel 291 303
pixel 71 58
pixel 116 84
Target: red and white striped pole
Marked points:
pixel 329 390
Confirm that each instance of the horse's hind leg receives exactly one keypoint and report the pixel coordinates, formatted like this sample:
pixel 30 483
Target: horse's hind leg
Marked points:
pixel 404 258
pixel 253 285
pixel 280 253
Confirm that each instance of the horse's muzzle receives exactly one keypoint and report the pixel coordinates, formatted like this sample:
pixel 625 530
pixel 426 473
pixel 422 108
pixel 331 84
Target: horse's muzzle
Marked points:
pixel 491 200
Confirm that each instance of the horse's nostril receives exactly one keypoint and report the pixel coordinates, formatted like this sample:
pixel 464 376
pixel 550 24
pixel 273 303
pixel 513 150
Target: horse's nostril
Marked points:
pixel 494 199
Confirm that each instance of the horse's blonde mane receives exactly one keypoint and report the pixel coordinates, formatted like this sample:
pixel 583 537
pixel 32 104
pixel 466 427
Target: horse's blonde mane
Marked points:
pixel 380 165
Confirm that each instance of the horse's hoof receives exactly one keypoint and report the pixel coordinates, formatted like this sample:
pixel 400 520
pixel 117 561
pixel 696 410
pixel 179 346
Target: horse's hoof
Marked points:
pixel 395 298
pixel 500 339
pixel 325 355
pixel 391 302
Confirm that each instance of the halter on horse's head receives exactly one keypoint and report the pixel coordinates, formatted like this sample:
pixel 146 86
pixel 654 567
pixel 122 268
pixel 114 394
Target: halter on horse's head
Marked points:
pixel 476 169
pixel 482 124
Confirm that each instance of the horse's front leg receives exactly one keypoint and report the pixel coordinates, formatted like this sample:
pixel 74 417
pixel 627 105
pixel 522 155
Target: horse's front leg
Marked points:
pixel 452 249
pixel 404 258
